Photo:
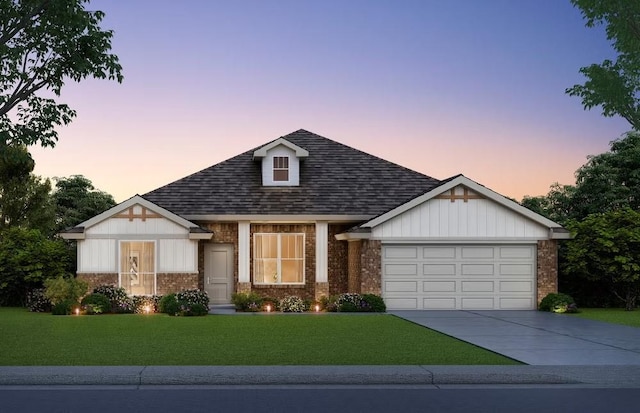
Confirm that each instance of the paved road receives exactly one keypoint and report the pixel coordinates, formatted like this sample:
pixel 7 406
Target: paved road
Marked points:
pixel 537 338
pixel 309 400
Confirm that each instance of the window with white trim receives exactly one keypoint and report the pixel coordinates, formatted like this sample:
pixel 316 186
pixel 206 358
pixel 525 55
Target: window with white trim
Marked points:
pixel 280 168
pixel 138 267
pixel 278 258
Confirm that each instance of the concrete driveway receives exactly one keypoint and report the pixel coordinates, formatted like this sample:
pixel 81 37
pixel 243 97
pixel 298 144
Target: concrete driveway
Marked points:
pixel 537 338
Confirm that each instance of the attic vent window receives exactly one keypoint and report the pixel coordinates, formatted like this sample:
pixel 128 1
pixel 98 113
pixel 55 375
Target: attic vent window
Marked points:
pixel 280 168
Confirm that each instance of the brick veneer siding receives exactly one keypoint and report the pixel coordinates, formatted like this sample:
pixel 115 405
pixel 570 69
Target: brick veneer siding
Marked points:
pixel 322 290
pixel 355 266
pixel 338 253
pixel 174 282
pixel 371 267
pixel 223 233
pixel 547 271
pixel 306 291
pixel 96 279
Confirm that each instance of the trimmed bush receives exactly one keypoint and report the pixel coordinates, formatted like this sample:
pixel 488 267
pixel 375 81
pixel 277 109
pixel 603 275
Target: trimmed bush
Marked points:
pixel 95 304
pixel 273 302
pixel 194 309
pixel 352 302
pixel 37 302
pixel 168 304
pixel 120 302
pixel 193 297
pixel 375 303
pixel 558 303
pixel 247 302
pixel 145 303
pixel 292 304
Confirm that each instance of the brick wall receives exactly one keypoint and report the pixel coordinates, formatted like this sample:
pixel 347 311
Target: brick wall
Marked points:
pixel 223 233
pixel 371 267
pixel 172 283
pixel 355 266
pixel 338 261
pixel 95 280
pixel 547 268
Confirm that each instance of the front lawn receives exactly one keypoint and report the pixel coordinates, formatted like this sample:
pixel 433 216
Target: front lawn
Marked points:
pixel 309 339
pixel 611 315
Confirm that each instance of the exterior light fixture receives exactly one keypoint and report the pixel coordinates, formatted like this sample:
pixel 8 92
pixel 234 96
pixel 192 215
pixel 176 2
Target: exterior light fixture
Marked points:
pixel 268 308
pixel 147 309
pixel 77 311
pixel 317 308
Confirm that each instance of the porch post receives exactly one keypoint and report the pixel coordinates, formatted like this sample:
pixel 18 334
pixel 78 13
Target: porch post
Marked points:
pixel 322 259
pixel 244 257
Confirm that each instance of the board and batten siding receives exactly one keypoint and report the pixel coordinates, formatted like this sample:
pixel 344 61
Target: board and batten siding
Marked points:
pixel 478 217
pixel 175 252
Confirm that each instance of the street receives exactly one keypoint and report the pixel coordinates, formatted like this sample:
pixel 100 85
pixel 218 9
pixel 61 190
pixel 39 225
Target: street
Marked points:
pixel 51 399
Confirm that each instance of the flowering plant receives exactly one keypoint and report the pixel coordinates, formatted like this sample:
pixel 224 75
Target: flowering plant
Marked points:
pixel 293 304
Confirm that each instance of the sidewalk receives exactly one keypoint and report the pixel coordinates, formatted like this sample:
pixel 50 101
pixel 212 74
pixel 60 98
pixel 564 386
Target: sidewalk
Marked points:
pixel 598 376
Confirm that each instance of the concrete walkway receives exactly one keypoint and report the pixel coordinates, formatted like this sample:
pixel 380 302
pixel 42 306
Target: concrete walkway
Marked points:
pixel 537 338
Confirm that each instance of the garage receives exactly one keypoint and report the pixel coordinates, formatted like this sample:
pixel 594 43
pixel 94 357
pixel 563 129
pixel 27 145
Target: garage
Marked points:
pixel 459 277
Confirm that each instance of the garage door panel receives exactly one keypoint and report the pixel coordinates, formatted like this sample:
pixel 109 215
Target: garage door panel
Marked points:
pixel 477 303
pixel 444 303
pixel 477 252
pixel 401 252
pixel 477 286
pixel 402 303
pixel 401 286
pixel 507 303
pixel 516 286
pixel 477 269
pixel 439 286
pixel 516 252
pixel 401 269
pixel 469 277
pixel 516 269
pixel 438 269
pixel 438 253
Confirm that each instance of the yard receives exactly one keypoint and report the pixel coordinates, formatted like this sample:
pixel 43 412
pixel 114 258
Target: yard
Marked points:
pixel 611 315
pixel 275 339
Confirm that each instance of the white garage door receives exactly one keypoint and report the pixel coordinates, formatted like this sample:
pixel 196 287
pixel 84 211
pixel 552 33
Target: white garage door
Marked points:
pixel 459 277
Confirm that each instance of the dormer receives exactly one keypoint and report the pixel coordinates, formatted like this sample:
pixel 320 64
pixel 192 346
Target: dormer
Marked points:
pixel 280 163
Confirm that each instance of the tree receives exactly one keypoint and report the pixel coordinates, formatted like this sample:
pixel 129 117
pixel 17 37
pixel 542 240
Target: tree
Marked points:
pixel 613 85
pixel 44 43
pixel 557 205
pixel 25 199
pixel 606 247
pixel 27 258
pixel 77 200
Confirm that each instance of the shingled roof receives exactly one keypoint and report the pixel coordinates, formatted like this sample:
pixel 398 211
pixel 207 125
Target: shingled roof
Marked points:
pixel 335 179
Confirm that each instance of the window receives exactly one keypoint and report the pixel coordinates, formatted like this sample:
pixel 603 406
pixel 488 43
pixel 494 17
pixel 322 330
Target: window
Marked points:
pixel 280 168
pixel 278 259
pixel 137 267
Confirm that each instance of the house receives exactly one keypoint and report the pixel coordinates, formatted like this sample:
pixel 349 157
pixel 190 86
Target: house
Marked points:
pixel 304 215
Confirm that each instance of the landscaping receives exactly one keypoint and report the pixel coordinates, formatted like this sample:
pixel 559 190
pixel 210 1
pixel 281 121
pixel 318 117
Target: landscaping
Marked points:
pixel 611 315
pixel 30 338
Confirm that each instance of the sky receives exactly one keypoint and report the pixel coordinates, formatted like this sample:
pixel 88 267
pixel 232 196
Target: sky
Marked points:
pixel 439 86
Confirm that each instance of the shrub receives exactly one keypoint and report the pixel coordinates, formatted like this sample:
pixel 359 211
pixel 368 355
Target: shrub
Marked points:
pixel 194 297
pixel 145 303
pixel 120 301
pixel 558 303
pixel 270 301
pixel 292 304
pixel 247 302
pixel 168 304
pixel 64 307
pixel 194 309
pixel 374 302
pixel 37 302
pixel 61 289
pixel 96 304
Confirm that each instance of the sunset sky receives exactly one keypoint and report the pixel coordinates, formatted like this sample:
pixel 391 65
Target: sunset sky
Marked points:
pixel 439 86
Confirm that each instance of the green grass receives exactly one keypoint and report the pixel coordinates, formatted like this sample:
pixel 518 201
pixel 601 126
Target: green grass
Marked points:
pixel 312 339
pixel 611 315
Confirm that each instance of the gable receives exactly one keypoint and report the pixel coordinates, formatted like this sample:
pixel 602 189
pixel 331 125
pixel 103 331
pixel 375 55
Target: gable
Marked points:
pixel 460 213
pixel 270 163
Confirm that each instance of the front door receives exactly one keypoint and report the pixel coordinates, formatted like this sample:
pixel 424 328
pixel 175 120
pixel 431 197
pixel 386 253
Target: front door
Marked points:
pixel 218 272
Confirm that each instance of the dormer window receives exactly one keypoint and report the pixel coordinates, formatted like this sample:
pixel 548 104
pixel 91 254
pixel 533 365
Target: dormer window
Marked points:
pixel 280 168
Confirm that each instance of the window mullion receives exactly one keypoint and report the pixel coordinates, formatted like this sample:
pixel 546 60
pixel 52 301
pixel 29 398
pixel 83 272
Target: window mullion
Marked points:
pixel 279 259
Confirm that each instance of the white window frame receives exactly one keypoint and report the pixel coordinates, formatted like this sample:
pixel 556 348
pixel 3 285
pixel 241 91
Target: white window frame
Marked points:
pixel 155 262
pixel 287 168
pixel 279 257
